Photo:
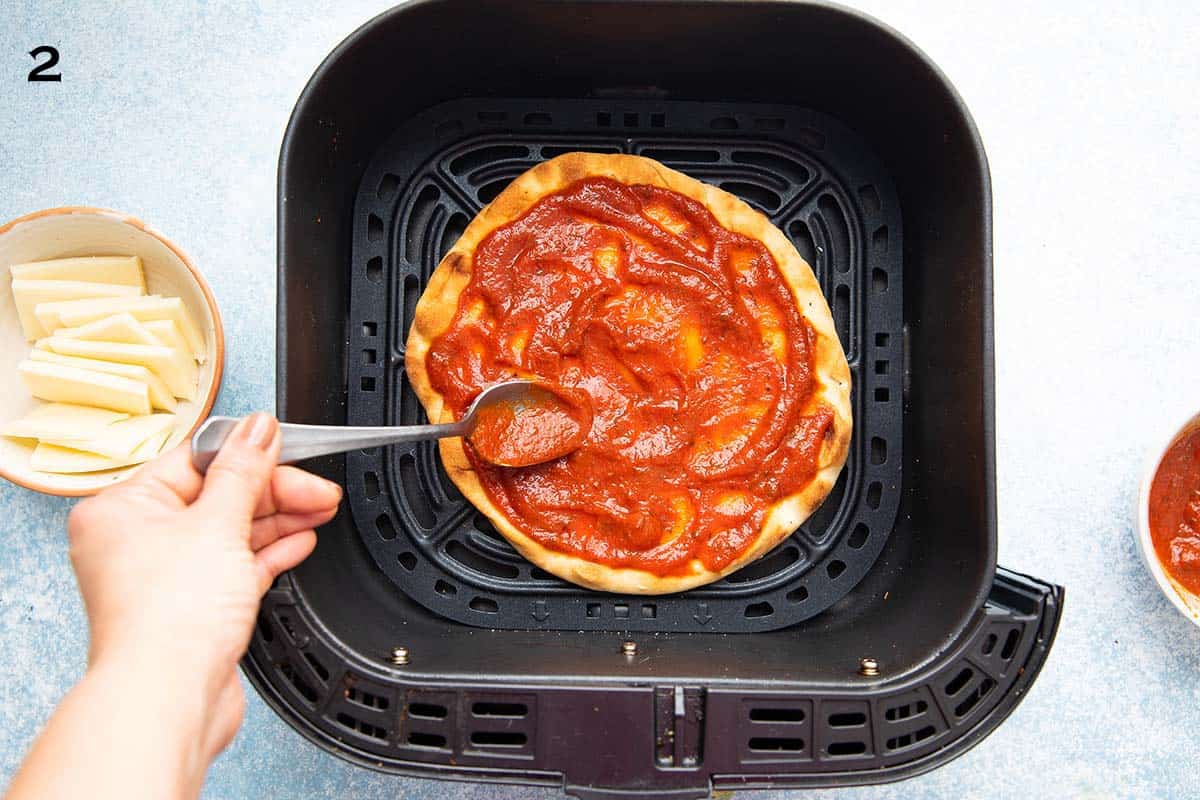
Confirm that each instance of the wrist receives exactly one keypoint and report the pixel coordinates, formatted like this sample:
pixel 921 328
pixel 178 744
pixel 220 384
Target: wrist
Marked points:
pixel 166 708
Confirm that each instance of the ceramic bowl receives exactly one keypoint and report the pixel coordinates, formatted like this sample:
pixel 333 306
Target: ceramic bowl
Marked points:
pixel 1187 603
pixel 83 231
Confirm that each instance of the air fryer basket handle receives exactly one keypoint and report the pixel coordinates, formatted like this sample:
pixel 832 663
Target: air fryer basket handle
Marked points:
pixel 999 660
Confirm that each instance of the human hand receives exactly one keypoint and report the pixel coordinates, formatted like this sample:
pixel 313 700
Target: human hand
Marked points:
pixel 172 565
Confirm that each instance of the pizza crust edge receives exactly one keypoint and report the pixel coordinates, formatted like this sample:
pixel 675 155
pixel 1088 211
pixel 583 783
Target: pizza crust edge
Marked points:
pixel 438 305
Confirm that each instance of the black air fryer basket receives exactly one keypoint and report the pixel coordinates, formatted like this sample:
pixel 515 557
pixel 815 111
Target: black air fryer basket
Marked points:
pixel 877 642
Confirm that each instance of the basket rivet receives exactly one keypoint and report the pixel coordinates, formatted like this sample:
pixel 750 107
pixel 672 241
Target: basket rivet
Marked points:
pixel 629 647
pixel 868 666
pixel 399 656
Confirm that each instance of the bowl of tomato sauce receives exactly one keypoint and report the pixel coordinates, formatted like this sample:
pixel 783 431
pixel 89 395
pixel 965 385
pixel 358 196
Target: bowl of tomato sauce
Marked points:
pixel 1169 518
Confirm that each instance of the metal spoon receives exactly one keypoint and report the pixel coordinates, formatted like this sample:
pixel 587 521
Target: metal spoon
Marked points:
pixel 308 441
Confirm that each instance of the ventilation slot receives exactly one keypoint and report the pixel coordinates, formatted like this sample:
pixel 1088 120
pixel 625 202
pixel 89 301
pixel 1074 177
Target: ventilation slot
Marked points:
pixel 498 739
pixel 369 357
pixel 317 666
pixel 724 124
pixel 455 225
pixel 492 709
pixel 794 173
pixel 385 526
pixel 680 155
pixel 878 450
pixel 550 151
pixel 433 741
pixel 417 224
pixel 490 191
pixel 852 719
pixel 371 485
pixel 592 610
pixel 367 699
pixel 781 559
pixel 879 240
pixel 481 564
pixel 367 384
pixel 264 629
pixel 777 715
pixel 776 744
pixel 375 269
pixel 649 611
pixel 842 749
pixel 445 589
pixel 754 194
pixel 835 568
pixel 769 124
pixel 369 328
pixel 881 394
pixel 879 281
pixel 802 238
pixel 658 120
pixel 959 681
pixel 757 610
pixel 971 700
pixel 388 185
pixel 483 156
pixel 407 560
pixel 603 119
pixel 629 119
pixel 484 605
pixel 427 710
pixel 870 199
pixel 412 293
pixel 857 537
pixel 374 228
pixel 989 644
pixel 418 502
pixel 302 686
pixel 798 595
pixel 492 117
pixel 841 312
pixel 453 495
pixel 896 713
pixel 621 610
pixel 820 524
pixel 839 232
pixel 1010 644
pixel 909 739
pixel 409 408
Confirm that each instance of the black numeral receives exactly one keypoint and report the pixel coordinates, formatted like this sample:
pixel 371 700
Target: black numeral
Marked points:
pixel 38 73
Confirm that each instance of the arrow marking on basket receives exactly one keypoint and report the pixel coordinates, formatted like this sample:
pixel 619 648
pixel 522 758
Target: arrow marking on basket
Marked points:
pixel 540 613
pixel 702 616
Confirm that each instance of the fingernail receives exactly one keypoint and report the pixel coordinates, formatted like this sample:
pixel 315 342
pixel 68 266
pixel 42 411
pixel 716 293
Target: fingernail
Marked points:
pixel 338 487
pixel 260 430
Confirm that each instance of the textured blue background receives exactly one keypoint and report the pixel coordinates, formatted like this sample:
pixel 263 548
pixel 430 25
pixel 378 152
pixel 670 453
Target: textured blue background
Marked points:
pixel 174 112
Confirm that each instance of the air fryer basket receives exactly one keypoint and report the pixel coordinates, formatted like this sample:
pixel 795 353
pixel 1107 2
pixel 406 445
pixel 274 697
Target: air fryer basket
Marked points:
pixel 859 149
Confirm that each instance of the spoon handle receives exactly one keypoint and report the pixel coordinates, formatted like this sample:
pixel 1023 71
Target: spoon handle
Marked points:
pixel 307 441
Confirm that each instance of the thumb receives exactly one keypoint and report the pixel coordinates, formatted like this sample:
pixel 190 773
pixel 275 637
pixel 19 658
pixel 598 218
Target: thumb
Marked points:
pixel 239 474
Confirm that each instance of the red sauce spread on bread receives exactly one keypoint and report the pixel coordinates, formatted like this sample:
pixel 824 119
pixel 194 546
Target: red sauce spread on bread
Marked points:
pixel 689 344
pixel 1175 511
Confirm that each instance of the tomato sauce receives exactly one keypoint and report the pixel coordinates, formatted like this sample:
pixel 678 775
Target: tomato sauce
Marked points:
pixel 697 362
pixel 549 424
pixel 1175 511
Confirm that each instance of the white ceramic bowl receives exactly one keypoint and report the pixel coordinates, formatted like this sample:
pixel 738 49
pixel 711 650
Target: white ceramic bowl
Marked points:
pixel 1187 603
pixel 82 231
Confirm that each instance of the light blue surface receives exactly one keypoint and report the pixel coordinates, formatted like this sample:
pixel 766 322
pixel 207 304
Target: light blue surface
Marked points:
pixel 174 112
